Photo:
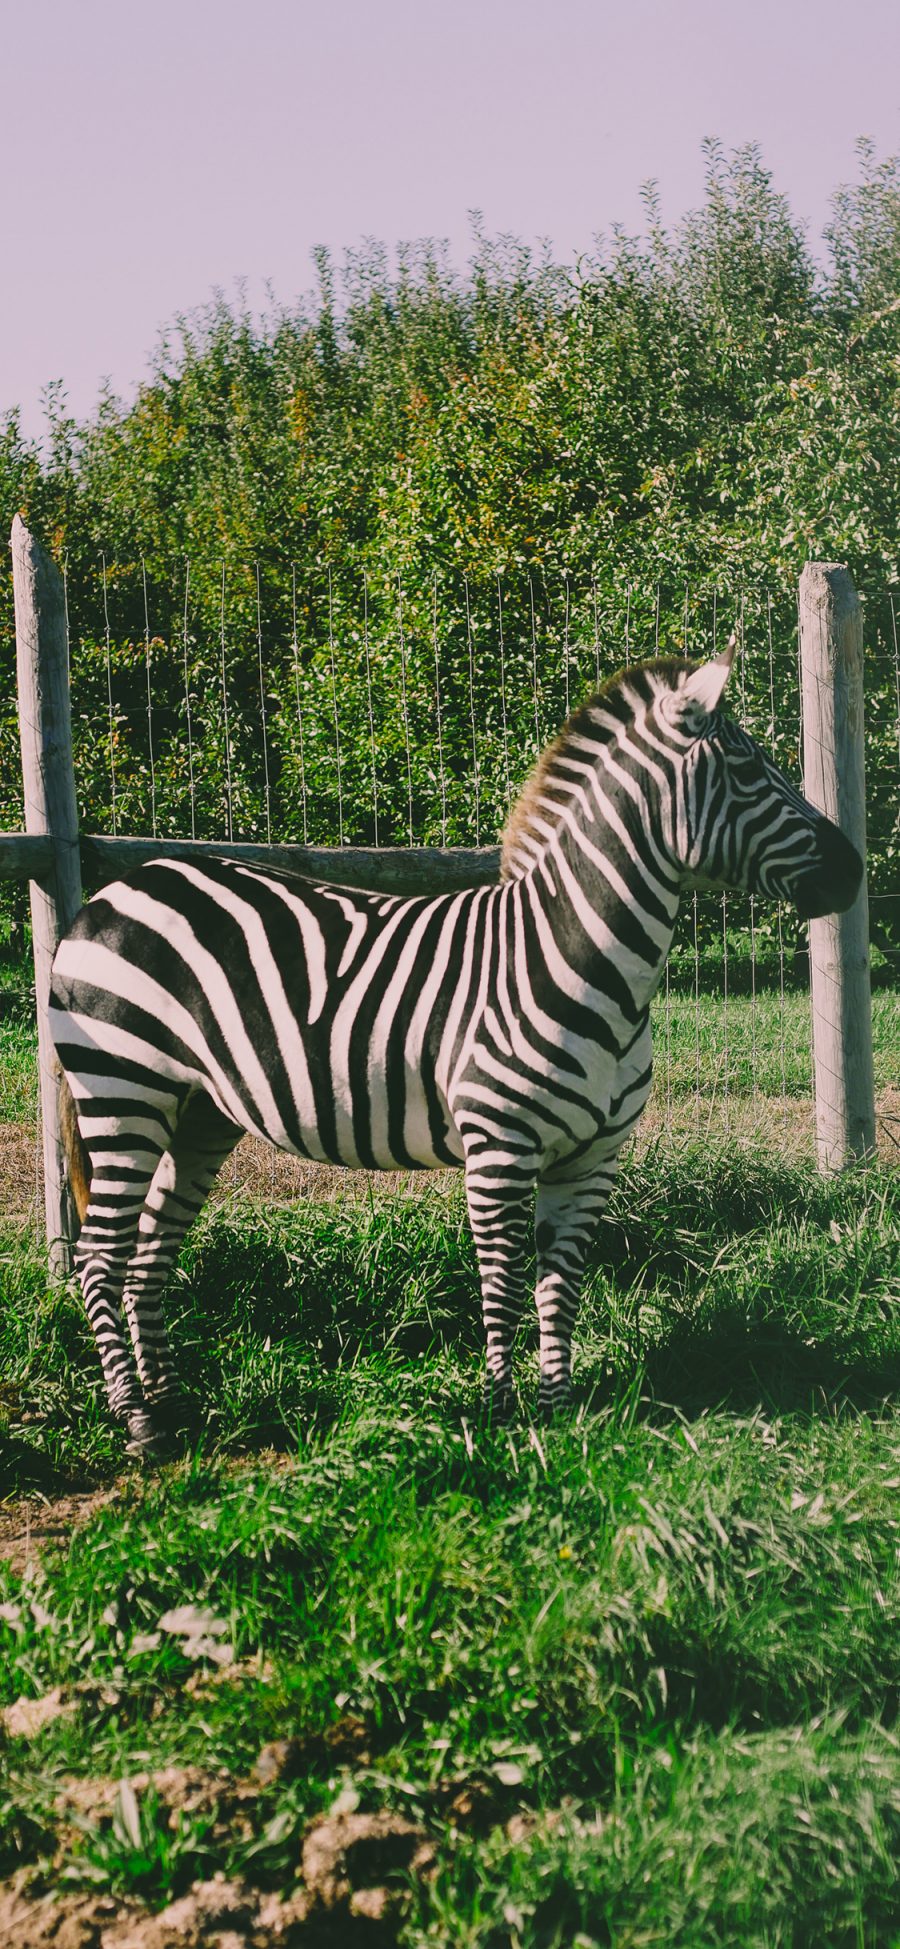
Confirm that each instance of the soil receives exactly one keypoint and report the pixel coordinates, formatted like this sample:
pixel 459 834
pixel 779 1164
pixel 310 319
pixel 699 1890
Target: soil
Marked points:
pixel 217 1914
pixel 30 1523
pixel 787 1123
pixel 350 1894
pixel 352 1891
pixel 21 1170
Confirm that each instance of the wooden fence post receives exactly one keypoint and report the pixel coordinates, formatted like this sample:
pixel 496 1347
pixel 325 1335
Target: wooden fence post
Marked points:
pixel 48 778
pixel 831 657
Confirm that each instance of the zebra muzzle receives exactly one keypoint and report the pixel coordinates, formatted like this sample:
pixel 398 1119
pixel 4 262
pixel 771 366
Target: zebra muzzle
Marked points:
pixel 832 886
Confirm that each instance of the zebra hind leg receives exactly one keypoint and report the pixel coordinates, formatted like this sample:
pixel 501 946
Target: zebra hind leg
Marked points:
pixel 124 1148
pixel 501 1224
pixel 566 1218
pixel 202 1141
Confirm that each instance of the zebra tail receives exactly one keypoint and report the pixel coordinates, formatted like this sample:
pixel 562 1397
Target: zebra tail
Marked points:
pixel 78 1166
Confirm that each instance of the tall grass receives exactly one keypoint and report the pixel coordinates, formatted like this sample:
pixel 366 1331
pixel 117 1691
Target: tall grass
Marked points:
pixel 634 1676
pixel 653 1648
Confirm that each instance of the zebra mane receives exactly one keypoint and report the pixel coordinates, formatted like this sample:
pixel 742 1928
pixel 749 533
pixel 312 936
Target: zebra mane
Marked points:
pixel 549 789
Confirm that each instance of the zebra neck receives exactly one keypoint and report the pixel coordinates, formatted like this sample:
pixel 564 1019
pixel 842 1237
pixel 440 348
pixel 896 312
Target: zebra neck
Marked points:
pixel 611 909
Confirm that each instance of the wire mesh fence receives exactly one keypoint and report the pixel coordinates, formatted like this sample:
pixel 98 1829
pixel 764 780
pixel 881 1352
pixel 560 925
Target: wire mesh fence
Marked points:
pixel 261 701
pixel 356 709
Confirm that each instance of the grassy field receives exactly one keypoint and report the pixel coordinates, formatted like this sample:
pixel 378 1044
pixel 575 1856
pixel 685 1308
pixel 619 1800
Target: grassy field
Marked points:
pixel 406 1678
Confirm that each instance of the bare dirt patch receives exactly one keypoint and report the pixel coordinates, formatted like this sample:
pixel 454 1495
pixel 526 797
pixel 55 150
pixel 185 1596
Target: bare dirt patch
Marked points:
pixel 887 1125
pixel 348 1859
pixel 255 1169
pixel 216 1914
pixel 351 1892
pixel 21 1170
pixel 785 1124
pixel 182 1789
pixel 30 1524
pixel 259 1170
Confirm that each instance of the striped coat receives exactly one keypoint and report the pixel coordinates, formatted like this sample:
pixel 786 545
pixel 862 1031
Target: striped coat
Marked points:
pixel 504 1029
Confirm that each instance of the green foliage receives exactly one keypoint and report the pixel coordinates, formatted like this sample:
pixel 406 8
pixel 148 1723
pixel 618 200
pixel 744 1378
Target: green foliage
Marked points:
pixel 640 448
pixel 141 1849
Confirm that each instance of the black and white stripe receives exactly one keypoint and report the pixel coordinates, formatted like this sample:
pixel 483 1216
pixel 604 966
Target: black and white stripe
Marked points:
pixel 505 1030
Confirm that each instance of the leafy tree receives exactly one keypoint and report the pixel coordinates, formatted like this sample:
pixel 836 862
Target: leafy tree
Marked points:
pixel 542 468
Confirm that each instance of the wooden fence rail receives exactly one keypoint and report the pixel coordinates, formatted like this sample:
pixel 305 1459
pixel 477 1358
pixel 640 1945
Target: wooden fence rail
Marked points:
pixel 60 862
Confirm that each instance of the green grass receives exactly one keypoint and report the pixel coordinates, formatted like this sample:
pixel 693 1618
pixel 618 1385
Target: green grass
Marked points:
pixel 18 1067
pixel 762 1045
pixel 660 1639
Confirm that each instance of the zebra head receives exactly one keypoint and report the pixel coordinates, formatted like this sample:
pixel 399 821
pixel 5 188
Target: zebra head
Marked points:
pixel 737 820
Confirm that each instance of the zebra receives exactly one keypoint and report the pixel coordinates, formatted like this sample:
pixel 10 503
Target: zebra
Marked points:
pixel 503 1029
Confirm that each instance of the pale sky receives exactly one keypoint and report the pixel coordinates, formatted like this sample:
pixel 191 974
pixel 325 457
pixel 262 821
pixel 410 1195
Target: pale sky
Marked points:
pixel 152 152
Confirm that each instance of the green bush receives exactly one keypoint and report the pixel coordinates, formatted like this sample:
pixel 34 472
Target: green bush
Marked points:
pixel 642 448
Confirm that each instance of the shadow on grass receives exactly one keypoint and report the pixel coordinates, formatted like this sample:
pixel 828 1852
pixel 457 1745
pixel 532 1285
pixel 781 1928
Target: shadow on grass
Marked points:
pixel 741 1366
pixel 730 1364
pixel 25 1466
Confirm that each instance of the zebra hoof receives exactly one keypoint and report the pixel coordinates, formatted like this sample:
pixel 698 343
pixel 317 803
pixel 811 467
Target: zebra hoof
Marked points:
pixel 174 1419
pixel 144 1443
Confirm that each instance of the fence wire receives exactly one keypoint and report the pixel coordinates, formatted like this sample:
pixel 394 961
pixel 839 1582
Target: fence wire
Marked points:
pixel 246 701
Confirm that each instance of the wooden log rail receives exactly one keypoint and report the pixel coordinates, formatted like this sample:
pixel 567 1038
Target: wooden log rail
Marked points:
pixel 401 869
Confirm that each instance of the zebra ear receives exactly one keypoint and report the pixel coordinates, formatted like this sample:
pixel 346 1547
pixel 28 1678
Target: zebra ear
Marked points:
pixel 689 707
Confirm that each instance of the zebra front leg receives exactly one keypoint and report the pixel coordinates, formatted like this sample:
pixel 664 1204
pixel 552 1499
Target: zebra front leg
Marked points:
pixel 501 1219
pixel 566 1218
